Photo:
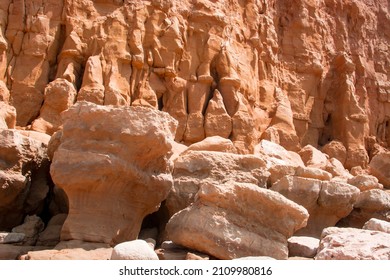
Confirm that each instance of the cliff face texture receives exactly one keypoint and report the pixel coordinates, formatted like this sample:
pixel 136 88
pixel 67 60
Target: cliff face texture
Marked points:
pixel 311 76
pixel 295 72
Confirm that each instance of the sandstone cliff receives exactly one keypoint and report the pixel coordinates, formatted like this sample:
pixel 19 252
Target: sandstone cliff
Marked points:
pixel 294 72
pixel 281 101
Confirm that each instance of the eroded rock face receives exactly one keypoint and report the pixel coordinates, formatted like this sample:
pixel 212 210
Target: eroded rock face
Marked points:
pixel 113 165
pixel 235 220
pixel 327 202
pixel 239 70
pixel 353 244
pixel 195 168
pixel 373 203
pixel 7 116
pixel 380 167
pixel 24 177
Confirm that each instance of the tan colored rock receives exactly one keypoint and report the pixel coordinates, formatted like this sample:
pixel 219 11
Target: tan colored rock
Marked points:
pixel 133 250
pixel 197 257
pixel 7 116
pixel 54 143
pixel 354 244
pixel 217 120
pixel 314 173
pixel 303 246
pixel 4 92
pixel 380 168
pixel 377 225
pixel 313 157
pixel 24 177
pixel 282 130
pixel 195 168
pixel 72 250
pixel 271 85
pixel 214 143
pixel 276 154
pixel 127 148
pixel 59 96
pixel 92 89
pixel 278 171
pixel 236 220
pixel 336 168
pixel 327 202
pixel 335 149
pixel 365 182
pixel 373 203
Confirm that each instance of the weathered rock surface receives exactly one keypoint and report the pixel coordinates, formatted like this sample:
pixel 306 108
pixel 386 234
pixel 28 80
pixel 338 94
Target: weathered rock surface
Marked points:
pixel 236 220
pixel 133 250
pixel 373 203
pixel 380 168
pixel 327 202
pixel 301 76
pixel 24 177
pixel 303 246
pixel 377 225
pixel 365 182
pixel 214 143
pixel 353 244
pixel 72 250
pixel 313 157
pixel 277 155
pixel 113 165
pixel 239 70
pixel 7 116
pixel 195 168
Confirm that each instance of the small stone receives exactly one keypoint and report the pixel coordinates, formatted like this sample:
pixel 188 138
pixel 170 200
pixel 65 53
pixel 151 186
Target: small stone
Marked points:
pixel 133 250
pixel 303 246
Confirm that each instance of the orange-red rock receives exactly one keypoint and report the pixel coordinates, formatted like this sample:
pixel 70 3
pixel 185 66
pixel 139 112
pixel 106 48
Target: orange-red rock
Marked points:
pixel 287 71
pixel 113 163
pixel 235 220
pixel 24 177
pixel 195 168
pixel 327 202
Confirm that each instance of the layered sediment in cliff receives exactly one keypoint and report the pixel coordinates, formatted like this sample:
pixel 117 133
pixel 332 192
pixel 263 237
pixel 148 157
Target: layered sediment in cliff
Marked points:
pixel 270 109
pixel 295 72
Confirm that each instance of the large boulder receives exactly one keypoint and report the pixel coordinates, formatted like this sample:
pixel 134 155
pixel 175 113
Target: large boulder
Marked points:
pixel 194 168
pixel 380 168
pixel 24 177
pixel 370 204
pixel 353 244
pixel 313 157
pixel 113 163
pixel 378 225
pixel 327 202
pixel 276 154
pixel 234 220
